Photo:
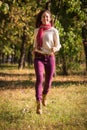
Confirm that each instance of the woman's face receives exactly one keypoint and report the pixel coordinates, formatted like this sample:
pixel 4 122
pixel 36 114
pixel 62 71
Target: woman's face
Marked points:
pixel 45 19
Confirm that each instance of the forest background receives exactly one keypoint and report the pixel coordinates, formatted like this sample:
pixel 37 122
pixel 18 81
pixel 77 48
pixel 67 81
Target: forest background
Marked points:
pixel 67 100
pixel 17 24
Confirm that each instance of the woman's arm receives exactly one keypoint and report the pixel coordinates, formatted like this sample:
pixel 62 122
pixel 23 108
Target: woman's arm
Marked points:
pixel 57 44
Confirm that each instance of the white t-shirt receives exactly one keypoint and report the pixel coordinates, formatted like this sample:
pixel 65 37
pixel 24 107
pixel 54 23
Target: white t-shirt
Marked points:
pixel 50 40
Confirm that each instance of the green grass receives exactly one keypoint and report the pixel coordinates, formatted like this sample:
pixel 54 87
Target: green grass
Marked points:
pixel 66 109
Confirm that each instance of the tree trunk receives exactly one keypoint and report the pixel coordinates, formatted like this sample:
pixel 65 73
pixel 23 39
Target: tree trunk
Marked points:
pixel 22 50
pixel 30 56
pixel 84 36
pixel 64 66
pixel 85 50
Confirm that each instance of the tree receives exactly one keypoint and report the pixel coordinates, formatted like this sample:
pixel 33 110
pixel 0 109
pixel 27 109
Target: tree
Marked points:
pixel 84 30
pixel 69 17
pixel 23 49
pixel 19 15
pixel 69 20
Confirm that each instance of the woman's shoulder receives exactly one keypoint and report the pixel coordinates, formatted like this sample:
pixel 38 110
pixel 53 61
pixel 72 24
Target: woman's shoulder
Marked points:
pixel 36 30
pixel 54 29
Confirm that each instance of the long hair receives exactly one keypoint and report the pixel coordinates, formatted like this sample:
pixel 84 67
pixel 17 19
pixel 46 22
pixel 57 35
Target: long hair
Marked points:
pixel 38 19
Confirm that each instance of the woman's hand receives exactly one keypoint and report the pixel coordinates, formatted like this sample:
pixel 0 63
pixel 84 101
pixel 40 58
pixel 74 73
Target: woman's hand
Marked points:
pixel 53 49
pixel 33 52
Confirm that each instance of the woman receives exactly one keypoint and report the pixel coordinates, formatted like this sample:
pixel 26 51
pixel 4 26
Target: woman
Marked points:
pixel 46 43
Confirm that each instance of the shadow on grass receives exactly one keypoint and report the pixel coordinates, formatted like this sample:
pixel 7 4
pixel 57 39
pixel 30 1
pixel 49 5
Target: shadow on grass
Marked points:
pixel 30 84
pixel 16 84
pixel 68 83
pixel 8 66
pixel 13 75
pixel 11 80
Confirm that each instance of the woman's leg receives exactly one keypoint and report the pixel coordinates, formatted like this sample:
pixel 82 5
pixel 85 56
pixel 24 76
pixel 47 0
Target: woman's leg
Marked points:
pixel 49 71
pixel 39 69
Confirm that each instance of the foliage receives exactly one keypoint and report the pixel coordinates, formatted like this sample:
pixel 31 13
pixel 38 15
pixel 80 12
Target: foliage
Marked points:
pixel 70 18
pixel 13 19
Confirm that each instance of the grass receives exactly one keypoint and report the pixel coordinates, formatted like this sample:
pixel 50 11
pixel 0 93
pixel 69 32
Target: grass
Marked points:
pixel 67 102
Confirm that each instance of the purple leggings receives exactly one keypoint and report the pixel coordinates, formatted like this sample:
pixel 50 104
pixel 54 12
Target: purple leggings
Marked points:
pixel 41 63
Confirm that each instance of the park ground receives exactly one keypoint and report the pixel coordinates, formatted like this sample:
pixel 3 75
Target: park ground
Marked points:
pixel 66 109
